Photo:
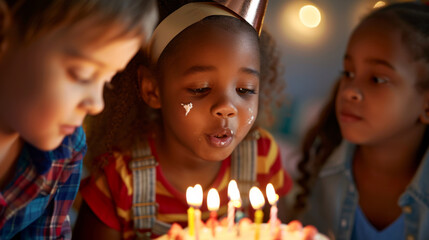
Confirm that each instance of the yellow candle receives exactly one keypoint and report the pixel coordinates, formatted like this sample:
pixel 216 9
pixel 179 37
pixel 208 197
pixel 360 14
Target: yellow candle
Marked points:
pixel 191 211
pixel 191 227
pixel 258 220
pixel 257 201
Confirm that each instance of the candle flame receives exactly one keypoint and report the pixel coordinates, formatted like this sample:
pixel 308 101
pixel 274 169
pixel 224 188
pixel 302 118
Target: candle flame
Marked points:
pixel 256 198
pixel 232 188
pixel 234 194
pixel 194 196
pixel 198 191
pixel 271 194
pixel 190 196
pixel 213 200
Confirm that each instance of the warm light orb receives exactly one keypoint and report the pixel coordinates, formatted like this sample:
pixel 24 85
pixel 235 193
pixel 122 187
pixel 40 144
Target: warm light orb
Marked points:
pixel 271 194
pixel 379 4
pixel 213 200
pixel 310 16
pixel 256 198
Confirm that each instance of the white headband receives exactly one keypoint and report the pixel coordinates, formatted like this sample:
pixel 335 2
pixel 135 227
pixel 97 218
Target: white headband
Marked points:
pixel 178 21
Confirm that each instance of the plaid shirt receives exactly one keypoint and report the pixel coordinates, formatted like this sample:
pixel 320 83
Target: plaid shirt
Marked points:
pixel 36 203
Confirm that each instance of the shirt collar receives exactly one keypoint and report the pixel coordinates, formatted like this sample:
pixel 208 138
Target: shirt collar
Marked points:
pixel 42 160
pixel 419 186
pixel 340 160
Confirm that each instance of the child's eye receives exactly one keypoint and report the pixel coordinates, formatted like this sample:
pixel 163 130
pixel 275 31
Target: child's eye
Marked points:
pixel 84 81
pixel 347 74
pixel 379 80
pixel 83 78
pixel 199 91
pixel 246 91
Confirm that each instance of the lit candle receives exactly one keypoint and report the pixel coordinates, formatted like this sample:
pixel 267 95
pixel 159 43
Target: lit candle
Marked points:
pixel 272 199
pixel 257 201
pixel 213 202
pixel 191 212
pixel 234 202
pixel 198 191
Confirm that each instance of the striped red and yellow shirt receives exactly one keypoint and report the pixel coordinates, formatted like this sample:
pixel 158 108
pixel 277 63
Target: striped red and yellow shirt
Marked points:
pixel 110 194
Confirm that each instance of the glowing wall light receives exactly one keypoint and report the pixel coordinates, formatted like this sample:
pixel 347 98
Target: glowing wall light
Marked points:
pixel 310 16
pixel 293 23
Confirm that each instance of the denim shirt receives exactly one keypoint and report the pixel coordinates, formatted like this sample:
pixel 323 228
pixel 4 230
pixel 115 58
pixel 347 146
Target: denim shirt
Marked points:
pixel 334 198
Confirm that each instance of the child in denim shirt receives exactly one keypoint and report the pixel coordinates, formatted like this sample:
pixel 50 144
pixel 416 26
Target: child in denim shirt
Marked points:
pixel 366 160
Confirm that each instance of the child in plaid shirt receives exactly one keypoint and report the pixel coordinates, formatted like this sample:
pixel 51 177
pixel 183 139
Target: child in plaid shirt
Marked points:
pixel 55 58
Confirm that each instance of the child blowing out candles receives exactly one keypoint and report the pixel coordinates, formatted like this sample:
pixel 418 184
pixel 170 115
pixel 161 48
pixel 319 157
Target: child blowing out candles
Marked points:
pixel 213 59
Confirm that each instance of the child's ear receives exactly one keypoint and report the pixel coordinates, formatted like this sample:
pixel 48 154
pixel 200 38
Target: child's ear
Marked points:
pixel 149 88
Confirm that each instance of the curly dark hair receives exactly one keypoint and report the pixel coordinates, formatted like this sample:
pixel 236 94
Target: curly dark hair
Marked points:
pixel 325 136
pixel 126 117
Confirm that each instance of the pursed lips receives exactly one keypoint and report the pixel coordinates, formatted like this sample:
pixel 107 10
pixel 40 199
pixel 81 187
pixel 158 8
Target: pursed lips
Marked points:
pixel 221 137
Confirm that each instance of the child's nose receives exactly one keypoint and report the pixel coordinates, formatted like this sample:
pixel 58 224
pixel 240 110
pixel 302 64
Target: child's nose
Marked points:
pixel 94 103
pixel 96 107
pixel 224 109
pixel 352 93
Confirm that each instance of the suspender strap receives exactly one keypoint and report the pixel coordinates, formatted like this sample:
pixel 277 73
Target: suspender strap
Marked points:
pixel 160 228
pixel 144 177
pixel 145 207
pixel 243 168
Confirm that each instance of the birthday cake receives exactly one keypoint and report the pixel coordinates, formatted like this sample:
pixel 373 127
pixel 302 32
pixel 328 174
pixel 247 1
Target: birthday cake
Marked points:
pixel 247 230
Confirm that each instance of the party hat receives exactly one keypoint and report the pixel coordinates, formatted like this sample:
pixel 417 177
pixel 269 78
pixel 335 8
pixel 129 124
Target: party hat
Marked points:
pixel 253 11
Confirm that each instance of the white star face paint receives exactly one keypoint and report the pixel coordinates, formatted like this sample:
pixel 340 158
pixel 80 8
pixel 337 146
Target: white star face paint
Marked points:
pixel 187 107
pixel 252 118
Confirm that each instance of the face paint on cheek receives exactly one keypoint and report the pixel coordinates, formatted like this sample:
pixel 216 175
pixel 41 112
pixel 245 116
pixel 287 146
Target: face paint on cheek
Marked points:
pixel 252 118
pixel 187 107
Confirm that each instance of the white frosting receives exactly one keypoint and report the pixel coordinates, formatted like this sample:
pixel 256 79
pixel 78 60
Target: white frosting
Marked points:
pixel 247 232
pixel 187 108
pixel 250 120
